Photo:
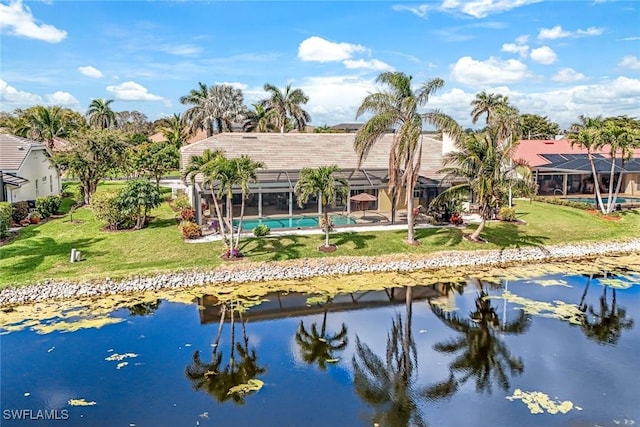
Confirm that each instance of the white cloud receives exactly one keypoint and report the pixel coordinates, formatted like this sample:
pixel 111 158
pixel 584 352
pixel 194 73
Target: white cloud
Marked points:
pixel 372 64
pixel 90 71
pixel 522 39
pixel 132 91
pixel 520 49
pixel 558 33
pixel 632 38
pixel 568 75
pixel 419 10
pixel 544 55
pixel 553 33
pixel 64 99
pixel 16 19
pixel 630 61
pixel 484 8
pixel 180 49
pixel 492 71
pixel 16 98
pixel 475 8
pixel 320 50
pixel 237 85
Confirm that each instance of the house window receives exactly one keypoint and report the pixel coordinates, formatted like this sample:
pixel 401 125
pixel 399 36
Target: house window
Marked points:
pixel 37 193
pixel 50 184
pixel 417 193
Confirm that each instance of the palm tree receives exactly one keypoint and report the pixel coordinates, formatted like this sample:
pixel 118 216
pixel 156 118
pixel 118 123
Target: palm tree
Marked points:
pixel 208 165
pixel 323 182
pixel 44 124
pixel 587 134
pixel 487 103
pixel 100 115
pixel 214 108
pixel 396 107
pixel 483 356
pixel 174 130
pixel 246 174
pixel 261 119
pixel 621 137
pixel 483 167
pixel 287 106
pixel 319 347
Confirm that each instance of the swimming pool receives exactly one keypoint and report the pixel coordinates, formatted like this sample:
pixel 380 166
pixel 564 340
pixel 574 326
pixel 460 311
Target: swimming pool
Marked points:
pixel 298 221
pixel 592 200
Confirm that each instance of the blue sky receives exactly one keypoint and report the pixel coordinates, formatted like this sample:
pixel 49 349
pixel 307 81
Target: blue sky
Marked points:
pixel 555 58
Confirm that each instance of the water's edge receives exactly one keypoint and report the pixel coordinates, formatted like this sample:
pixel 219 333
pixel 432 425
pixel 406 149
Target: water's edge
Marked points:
pixel 244 272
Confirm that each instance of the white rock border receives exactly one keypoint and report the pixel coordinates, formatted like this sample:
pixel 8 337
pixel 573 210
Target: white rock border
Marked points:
pixel 243 272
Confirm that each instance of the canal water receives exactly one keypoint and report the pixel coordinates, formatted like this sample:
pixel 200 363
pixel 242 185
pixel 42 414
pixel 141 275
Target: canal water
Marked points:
pixel 554 348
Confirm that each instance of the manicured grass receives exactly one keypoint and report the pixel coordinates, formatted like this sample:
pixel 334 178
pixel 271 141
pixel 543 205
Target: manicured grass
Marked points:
pixel 42 252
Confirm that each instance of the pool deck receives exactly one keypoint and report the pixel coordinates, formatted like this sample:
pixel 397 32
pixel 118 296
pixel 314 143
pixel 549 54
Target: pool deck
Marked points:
pixel 474 218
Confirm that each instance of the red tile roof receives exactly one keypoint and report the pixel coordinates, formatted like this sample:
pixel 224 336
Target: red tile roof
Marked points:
pixel 530 150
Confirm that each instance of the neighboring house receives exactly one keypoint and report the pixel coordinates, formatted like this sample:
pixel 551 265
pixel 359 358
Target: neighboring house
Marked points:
pixel 26 169
pixel 284 155
pixel 562 169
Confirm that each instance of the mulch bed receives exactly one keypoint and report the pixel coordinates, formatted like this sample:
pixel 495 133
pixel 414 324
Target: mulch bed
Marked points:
pixel 599 214
pixel 330 248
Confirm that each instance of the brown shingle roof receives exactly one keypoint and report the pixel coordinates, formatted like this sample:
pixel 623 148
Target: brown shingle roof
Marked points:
pixel 14 149
pixel 293 151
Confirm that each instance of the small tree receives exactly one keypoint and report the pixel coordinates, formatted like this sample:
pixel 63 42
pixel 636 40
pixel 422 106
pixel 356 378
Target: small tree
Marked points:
pixel 155 159
pixel 323 182
pixel 138 198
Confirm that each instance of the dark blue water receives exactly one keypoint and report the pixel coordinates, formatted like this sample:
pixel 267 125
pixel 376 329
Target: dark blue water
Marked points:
pixel 433 355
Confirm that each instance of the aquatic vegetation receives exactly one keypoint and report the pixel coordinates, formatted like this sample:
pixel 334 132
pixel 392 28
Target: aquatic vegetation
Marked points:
pixel 539 402
pixel 253 384
pixel 555 310
pixel 119 357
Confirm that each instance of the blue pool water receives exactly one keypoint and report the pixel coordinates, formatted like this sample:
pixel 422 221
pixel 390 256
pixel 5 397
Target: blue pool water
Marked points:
pixel 293 222
pixel 605 200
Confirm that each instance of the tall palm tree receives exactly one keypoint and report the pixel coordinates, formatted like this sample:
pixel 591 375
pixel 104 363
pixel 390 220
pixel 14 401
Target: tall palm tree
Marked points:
pixel 319 347
pixel 487 103
pixel 482 353
pixel 208 165
pixel 397 107
pixel 587 134
pixel 288 106
pixel 214 108
pixel 483 167
pixel 45 124
pixel 324 182
pixel 246 173
pixel 261 119
pixel 621 136
pixel 174 130
pixel 100 115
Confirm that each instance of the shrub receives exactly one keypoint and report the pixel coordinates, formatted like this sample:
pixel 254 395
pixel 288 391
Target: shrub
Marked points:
pixel 49 205
pixel 182 202
pixel 188 214
pixel 456 219
pixel 19 211
pixel 137 199
pixel 5 218
pixel 508 214
pixel 261 230
pixel 106 207
pixel 35 217
pixel 565 202
pixel 232 253
pixel 190 230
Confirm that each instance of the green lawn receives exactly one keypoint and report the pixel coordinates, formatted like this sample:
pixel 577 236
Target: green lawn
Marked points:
pixel 42 252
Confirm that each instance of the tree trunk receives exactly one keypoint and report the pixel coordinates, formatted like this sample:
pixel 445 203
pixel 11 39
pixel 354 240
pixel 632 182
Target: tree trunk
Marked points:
pixel 326 225
pixel 237 245
pixel 619 183
pixel 410 220
pixel 219 215
pixel 476 234
pixel 596 183
pixel 612 176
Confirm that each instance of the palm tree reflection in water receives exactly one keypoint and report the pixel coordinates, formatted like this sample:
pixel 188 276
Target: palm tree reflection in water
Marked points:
pixel 320 348
pixel 216 380
pixel 483 355
pixel 389 385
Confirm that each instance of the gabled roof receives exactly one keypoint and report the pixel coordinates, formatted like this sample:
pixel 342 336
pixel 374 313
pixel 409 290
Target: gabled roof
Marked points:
pixel 293 151
pixel 14 150
pixel 535 151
